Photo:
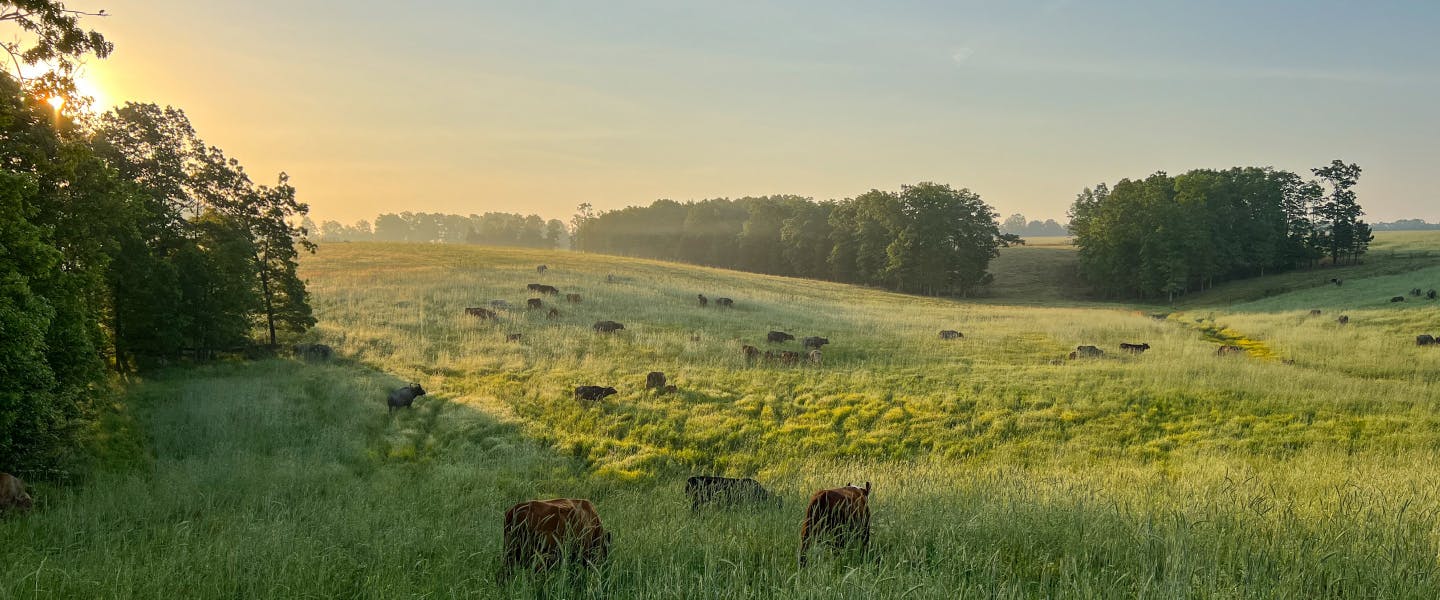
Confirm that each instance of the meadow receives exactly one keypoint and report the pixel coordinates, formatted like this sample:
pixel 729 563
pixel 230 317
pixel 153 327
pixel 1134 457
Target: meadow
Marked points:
pixel 1305 468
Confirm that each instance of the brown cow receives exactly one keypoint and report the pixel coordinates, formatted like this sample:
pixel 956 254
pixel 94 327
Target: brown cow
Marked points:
pixel 1134 348
pixel 482 313
pixel 1229 349
pixel 836 517
pixel 548 290
pixel 1344 319
pixel 553 314
pixel 1314 312
pixel 751 352
pixel 542 269
pixel 535 303
pixel 12 494
pixel 815 357
pixel 789 357
pixel 1089 351
pixel 572 298
pixel 703 300
pixel 655 380
pixel 725 302
pixel 607 326
pixel 542 533
pixel 513 337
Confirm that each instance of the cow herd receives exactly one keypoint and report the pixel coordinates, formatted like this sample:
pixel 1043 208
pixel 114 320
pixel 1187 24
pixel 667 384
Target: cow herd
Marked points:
pixel 541 534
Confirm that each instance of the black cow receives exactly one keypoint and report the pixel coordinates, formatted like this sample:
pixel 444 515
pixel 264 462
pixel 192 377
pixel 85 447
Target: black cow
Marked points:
pixel 534 287
pixel 499 304
pixel 541 269
pixel 1424 339
pixel 553 314
pixel 950 334
pixel 1430 294
pixel 1337 281
pixel 814 342
pixel 548 290
pixel 1314 312
pixel 314 351
pixel 725 302
pixel 703 300
pixel 593 392
pixel 778 337
pixel 655 380
pixel 1415 292
pixel 482 313
pixel 1134 348
pixel 726 491
pixel 534 304
pixel 572 298
pixel 1398 299
pixel 405 396
pixel 1088 352
pixel 1343 320
pixel 607 326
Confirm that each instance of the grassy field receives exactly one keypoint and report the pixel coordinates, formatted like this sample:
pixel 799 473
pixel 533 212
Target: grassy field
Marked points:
pixel 1306 468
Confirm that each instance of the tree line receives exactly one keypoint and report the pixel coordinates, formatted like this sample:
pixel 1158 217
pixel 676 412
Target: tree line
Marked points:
pixel 491 229
pixel 125 241
pixel 927 238
pixel 1165 236
pixel 1017 225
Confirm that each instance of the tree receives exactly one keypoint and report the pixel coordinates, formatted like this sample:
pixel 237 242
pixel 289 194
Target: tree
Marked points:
pixel 53 36
pixel 1338 213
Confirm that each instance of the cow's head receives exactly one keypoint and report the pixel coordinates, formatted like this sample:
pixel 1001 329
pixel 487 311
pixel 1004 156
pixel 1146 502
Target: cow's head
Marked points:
pixel 609 391
pixel 417 390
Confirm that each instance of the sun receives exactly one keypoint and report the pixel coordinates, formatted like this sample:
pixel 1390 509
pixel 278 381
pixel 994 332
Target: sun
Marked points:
pixel 56 101
pixel 86 85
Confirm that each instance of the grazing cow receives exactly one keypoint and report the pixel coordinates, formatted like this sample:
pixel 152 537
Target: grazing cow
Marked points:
pixel 1089 351
pixel 725 302
pixel 542 269
pixel 1424 339
pixel 513 337
pixel 500 304
pixel 553 314
pixel 703 300
pixel 778 337
pixel 482 313
pixel 539 534
pixel 1073 355
pixel 1134 348
pixel 1415 292
pixel 1344 319
pixel 1314 312
pixel 836 517
pixel 534 304
pixel 1229 349
pixel 405 396
pixel 12 494
pixel 533 287
pixel 1398 299
pixel 1337 281
pixel 314 351
pixel 669 389
pixel 770 356
pixel 789 357
pixel 950 334
pixel 607 326
pixel 726 491
pixel 751 352
pixel 815 357
pixel 814 342
pixel 655 380
pixel 572 298
pixel 593 392
pixel 1430 294
pixel 548 290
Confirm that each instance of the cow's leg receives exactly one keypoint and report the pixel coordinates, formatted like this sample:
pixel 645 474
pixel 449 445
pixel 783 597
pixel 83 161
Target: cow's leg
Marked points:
pixel 804 543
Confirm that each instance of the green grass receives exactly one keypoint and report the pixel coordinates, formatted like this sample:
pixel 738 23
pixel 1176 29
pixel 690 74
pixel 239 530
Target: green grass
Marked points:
pixel 1307 470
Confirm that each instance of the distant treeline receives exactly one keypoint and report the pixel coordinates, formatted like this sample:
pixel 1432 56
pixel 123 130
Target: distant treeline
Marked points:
pixel 1406 225
pixel 926 238
pixel 494 229
pixel 1017 225
pixel 1164 236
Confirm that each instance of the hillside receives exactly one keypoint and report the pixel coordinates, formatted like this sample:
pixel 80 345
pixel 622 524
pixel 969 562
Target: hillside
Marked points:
pixel 1002 469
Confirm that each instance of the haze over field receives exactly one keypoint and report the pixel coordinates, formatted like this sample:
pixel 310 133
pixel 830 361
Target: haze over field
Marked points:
pixel 470 107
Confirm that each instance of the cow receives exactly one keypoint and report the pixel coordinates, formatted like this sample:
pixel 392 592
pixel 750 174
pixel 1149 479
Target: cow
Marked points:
pixel 1089 352
pixel 542 269
pixel 950 334
pixel 670 389
pixel 534 304
pixel 815 357
pixel 481 313
pixel 13 496
pixel 513 337
pixel 1134 348
pixel 405 396
pixel 814 342
pixel 1424 339
pixel 313 351
pixel 789 357
pixel 501 304
pixel 1430 294
pixel 1229 349
pixel 1398 299
pixel 540 534
pixel 548 290
pixel 1415 292
pixel 609 278
pixel 572 298
pixel 836 517
pixel 726 491
pixel 724 302
pixel 1343 320
pixel 593 393
pixel 1337 282
pixel 655 380
pixel 751 353
pixel 553 314
pixel 703 300
pixel 695 337
pixel 533 287
pixel 607 326
pixel 1315 312
pixel 778 337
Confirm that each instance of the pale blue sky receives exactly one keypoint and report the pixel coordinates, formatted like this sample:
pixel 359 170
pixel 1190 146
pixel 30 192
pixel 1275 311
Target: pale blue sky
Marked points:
pixel 537 106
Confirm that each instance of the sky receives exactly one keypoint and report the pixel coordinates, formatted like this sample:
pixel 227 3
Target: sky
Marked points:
pixel 534 107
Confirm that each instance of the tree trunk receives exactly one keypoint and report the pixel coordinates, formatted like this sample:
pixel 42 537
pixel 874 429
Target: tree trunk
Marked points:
pixel 269 299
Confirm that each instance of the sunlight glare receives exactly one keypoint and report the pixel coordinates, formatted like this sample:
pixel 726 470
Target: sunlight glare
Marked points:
pixel 56 101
